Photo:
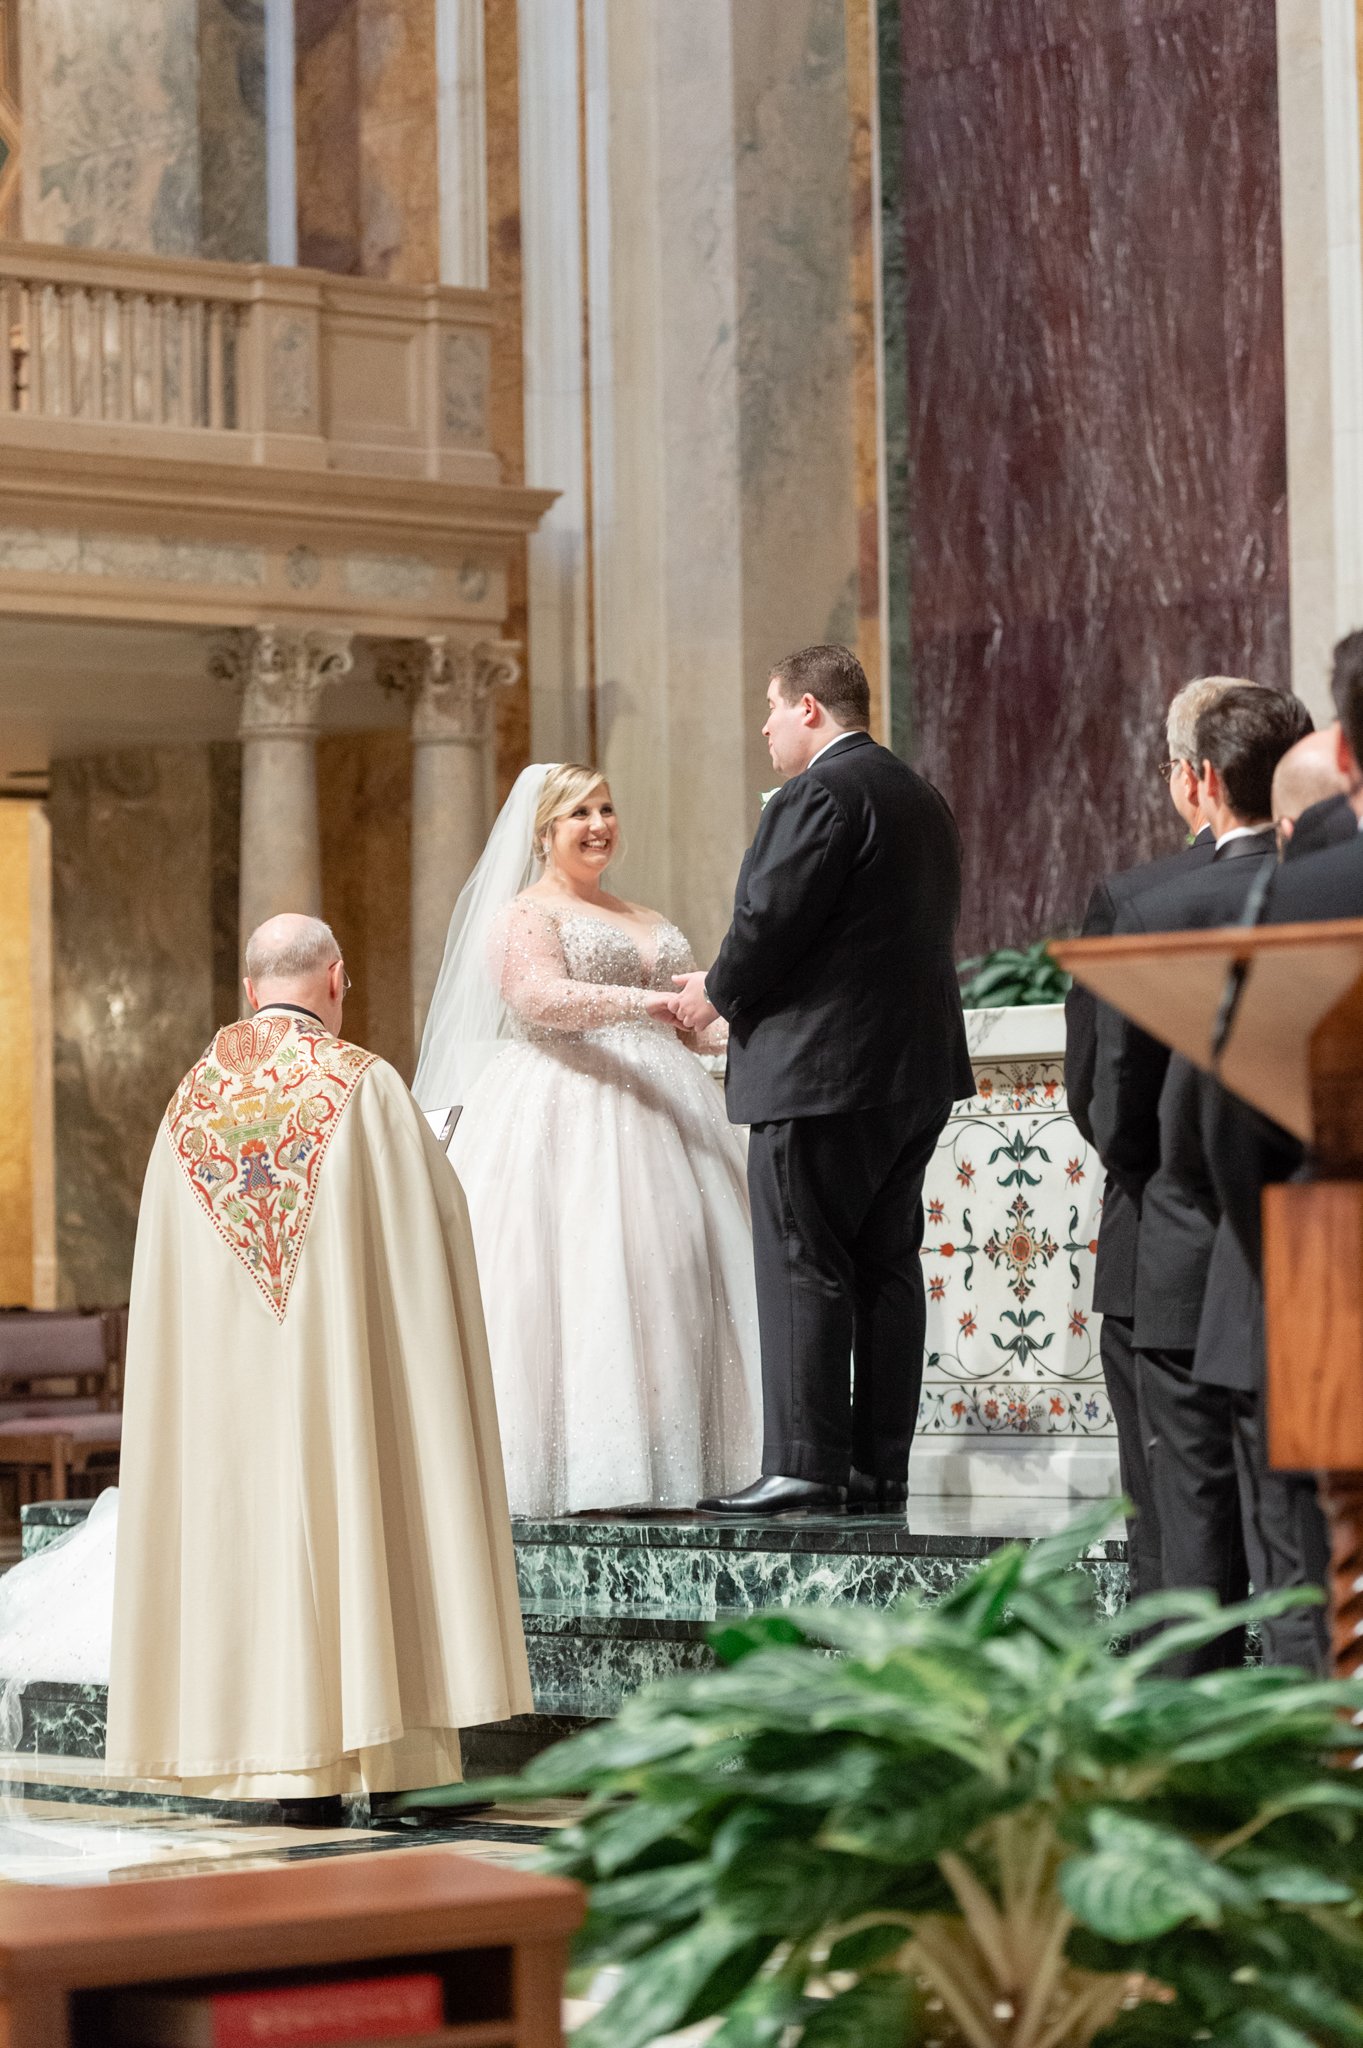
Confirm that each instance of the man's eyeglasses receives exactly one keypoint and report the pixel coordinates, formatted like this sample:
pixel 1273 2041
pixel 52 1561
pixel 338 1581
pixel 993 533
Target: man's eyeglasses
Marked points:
pixel 1166 768
pixel 346 983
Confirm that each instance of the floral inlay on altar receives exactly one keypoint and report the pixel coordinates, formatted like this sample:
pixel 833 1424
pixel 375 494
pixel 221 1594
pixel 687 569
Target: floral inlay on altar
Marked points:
pixel 1012 1204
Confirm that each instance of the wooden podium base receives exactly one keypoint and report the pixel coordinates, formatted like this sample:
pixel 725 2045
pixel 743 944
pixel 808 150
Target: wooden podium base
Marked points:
pixel 1313 1305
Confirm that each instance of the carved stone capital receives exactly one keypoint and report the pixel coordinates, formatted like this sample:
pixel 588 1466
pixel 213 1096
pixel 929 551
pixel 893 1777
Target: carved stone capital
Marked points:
pixel 448 683
pixel 281 672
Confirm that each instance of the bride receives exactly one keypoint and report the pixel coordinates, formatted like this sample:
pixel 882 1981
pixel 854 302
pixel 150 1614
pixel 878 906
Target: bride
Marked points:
pixel 605 1185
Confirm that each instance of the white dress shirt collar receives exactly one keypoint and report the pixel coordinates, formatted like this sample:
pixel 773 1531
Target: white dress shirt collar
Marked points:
pixel 851 733
pixel 1239 832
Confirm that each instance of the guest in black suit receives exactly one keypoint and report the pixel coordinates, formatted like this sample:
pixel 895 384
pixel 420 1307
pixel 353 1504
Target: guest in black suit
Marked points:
pixel 846 1050
pixel 1114 1276
pixel 1311 808
pixel 1321 876
pixel 1146 1115
pixel 1330 883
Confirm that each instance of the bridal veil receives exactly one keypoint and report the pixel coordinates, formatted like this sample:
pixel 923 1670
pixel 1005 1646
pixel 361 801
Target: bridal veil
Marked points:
pixel 467 1023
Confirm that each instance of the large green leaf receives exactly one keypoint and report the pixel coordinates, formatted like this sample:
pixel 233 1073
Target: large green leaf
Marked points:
pixel 799 1891
pixel 868 1946
pixel 680 1888
pixel 762 2014
pixel 624 1834
pixel 739 1639
pixel 1263 2030
pixel 882 2011
pixel 1332 2018
pixel 622 1745
pixel 683 1979
pixel 924 1827
pixel 1294 1884
pixel 1141 1880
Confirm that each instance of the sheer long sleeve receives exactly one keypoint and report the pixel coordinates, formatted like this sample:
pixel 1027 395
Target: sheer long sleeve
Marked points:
pixel 526 958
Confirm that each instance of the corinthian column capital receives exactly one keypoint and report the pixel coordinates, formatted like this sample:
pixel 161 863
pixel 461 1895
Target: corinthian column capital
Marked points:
pixel 281 672
pixel 447 682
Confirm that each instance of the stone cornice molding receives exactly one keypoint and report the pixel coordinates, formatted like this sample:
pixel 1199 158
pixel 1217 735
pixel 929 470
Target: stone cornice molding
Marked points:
pixel 281 673
pixel 118 490
pixel 448 683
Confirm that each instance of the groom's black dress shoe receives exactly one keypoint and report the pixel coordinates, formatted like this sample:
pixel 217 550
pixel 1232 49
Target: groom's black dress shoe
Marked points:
pixel 776 1495
pixel 868 1496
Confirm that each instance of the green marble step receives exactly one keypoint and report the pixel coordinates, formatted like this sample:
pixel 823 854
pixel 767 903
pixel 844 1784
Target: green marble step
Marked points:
pixel 612 1602
pixel 686 1567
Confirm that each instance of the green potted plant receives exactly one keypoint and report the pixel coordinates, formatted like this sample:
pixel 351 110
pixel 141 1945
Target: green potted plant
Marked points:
pixel 1012 976
pixel 970 1822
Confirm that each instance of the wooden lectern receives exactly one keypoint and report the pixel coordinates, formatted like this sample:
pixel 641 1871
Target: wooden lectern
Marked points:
pixel 1294 1050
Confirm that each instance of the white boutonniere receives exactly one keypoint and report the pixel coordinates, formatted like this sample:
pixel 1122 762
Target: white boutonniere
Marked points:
pixel 768 794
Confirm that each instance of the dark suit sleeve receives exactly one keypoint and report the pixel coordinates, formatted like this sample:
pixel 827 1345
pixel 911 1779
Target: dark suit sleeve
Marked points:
pixel 799 861
pixel 1081 1021
pixel 1245 1153
pixel 1129 1071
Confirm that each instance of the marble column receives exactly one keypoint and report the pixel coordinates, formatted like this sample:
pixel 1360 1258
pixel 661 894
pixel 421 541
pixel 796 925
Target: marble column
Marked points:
pixel 281 673
pixel 449 685
pixel 1322 247
pixel 461 115
pixel 686 207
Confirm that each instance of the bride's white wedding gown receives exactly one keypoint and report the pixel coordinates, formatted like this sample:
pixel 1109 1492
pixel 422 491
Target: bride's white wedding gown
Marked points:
pixel 609 1204
pixel 56 1613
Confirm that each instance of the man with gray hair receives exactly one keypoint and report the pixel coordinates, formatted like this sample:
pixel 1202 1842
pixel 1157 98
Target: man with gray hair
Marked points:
pixel 315 1587
pixel 1114 1274
pixel 1181 767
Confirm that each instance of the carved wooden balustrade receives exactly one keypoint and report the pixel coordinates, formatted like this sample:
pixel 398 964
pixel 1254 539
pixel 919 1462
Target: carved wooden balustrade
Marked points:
pixel 235 363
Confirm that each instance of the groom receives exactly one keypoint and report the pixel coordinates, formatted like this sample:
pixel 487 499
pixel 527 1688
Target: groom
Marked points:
pixel 846 1050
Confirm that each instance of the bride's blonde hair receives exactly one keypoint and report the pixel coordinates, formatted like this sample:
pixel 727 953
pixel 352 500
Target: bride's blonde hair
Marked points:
pixel 564 789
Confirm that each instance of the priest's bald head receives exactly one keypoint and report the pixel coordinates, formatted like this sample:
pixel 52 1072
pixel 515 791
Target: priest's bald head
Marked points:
pixel 295 959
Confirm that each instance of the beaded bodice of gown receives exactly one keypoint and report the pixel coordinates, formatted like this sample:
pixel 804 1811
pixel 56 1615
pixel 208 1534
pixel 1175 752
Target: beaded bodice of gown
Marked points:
pixel 568 971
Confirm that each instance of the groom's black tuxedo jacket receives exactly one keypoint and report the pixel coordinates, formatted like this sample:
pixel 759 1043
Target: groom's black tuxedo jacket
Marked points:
pixel 837 974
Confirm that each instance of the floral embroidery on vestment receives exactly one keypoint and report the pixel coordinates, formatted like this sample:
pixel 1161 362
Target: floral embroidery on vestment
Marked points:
pixel 251 1124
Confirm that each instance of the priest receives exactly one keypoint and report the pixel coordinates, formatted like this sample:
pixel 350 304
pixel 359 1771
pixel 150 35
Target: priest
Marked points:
pixel 315 1586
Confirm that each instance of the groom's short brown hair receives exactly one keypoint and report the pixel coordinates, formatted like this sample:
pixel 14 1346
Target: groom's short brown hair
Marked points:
pixel 833 677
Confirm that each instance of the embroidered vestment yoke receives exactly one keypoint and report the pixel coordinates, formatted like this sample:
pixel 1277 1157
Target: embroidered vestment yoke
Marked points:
pixel 250 1124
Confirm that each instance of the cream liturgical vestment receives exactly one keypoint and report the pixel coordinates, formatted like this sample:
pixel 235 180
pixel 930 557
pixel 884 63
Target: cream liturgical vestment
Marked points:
pixel 315 1586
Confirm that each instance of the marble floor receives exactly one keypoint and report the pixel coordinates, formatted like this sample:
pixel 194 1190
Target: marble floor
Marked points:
pixel 55 1841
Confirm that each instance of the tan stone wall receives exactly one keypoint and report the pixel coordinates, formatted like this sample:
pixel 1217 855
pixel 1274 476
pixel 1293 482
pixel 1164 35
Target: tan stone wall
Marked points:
pixel 26 1247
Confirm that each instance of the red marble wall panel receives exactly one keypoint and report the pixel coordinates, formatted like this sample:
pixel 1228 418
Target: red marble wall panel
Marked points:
pixel 1093 371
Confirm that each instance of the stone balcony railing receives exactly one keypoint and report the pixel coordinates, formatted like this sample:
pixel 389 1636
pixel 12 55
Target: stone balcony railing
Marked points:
pixel 242 364
pixel 222 445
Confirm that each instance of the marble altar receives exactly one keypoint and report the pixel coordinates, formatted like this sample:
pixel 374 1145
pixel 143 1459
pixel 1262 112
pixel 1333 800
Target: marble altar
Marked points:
pixel 1013 1395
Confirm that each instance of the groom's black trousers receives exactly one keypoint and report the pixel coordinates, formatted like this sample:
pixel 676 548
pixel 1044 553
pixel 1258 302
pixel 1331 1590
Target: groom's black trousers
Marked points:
pixel 837 1215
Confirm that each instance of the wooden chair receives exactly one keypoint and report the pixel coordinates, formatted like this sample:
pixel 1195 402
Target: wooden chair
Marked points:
pixel 60 1385
pixel 61 1353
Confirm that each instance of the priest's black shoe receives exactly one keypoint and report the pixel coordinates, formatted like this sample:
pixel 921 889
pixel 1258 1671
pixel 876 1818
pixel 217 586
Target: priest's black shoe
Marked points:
pixel 776 1495
pixel 868 1496
pixel 312 1813
pixel 421 1809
